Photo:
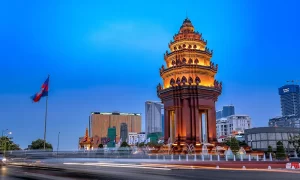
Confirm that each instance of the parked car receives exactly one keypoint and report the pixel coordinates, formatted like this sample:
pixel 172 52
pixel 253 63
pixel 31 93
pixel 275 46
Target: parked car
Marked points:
pixel 2 160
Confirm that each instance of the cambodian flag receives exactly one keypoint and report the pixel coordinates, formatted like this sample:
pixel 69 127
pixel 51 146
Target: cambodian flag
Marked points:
pixel 43 92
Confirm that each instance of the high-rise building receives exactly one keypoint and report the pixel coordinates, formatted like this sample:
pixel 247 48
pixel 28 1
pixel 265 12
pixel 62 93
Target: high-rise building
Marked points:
pixel 290 107
pixel 100 122
pixel 111 135
pixel 219 114
pixel 228 111
pixel 289 100
pixel 124 132
pixel 153 117
pixel 225 112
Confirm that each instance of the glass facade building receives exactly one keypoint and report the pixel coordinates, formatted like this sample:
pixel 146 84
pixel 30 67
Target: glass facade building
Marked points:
pixel 123 132
pixel 285 121
pixel 111 134
pixel 228 111
pixel 289 100
pixel 153 117
pixel 225 112
pixel 290 107
pixel 219 114
pixel 262 137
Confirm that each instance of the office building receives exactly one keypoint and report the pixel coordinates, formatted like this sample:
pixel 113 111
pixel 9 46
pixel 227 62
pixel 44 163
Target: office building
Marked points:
pixel 124 132
pixel 222 127
pixel 290 107
pixel 228 111
pixel 239 123
pixel 133 138
pixel 100 122
pixel 225 112
pixel 262 137
pixel 141 137
pixel 219 114
pixel 153 120
pixel 289 100
pixel 154 137
pixel 233 124
pixel 285 121
pixel 111 135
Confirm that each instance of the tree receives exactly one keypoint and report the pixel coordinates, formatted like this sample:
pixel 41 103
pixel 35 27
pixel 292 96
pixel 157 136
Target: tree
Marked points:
pixel 234 145
pixel 295 142
pixel 6 144
pixel 124 149
pixel 100 149
pixel 241 143
pixel 124 144
pixel 280 154
pixel 270 151
pixel 39 144
pixel 100 146
pixel 142 144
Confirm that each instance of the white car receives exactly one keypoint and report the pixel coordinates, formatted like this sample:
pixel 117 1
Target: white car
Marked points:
pixel 2 160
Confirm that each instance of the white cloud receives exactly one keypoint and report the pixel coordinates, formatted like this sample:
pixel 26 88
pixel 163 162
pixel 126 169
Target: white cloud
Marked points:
pixel 132 35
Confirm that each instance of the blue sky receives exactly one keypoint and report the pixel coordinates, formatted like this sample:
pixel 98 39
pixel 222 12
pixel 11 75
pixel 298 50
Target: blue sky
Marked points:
pixel 105 56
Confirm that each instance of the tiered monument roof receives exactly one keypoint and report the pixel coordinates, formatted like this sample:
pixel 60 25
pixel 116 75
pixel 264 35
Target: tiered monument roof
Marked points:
pixel 189 61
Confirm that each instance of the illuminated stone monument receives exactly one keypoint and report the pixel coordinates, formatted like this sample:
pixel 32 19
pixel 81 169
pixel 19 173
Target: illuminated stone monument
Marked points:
pixel 189 90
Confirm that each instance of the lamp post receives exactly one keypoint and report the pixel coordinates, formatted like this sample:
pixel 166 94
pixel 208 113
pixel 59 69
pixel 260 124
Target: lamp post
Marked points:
pixel 57 143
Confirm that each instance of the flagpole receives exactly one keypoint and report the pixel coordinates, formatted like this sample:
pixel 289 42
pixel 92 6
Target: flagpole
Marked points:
pixel 45 128
pixel 46 112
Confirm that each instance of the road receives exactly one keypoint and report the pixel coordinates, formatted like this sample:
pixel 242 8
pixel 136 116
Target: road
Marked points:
pixel 109 171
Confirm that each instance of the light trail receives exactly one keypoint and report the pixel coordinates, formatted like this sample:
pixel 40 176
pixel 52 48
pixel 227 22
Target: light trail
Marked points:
pixel 171 166
pixel 118 165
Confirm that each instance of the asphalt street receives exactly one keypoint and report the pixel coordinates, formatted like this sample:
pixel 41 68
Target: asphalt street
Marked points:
pixel 96 172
